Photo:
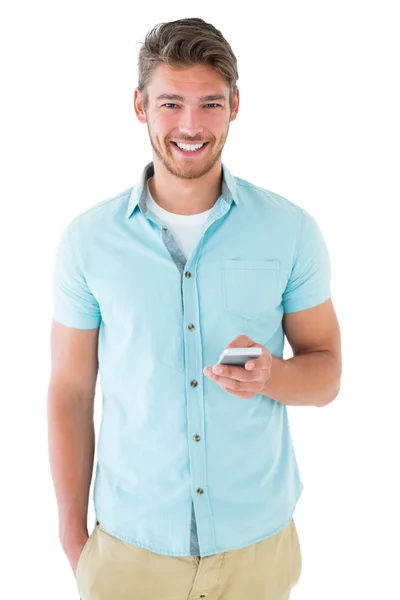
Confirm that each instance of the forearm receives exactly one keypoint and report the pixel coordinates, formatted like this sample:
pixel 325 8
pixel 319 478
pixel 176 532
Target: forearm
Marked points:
pixel 310 379
pixel 71 440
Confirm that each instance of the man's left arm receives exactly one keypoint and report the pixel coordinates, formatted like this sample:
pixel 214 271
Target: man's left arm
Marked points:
pixel 312 376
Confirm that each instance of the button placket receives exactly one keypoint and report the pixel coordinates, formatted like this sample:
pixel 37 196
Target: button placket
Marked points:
pixel 193 348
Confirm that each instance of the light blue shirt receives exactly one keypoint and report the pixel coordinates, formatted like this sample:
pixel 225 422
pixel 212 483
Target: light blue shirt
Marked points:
pixel 185 468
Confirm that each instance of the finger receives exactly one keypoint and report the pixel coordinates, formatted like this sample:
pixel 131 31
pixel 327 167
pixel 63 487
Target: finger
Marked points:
pixel 259 364
pixel 241 341
pixel 208 371
pixel 242 395
pixel 238 373
pixel 238 386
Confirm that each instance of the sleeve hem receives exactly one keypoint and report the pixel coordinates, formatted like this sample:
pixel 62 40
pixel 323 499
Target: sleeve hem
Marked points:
pixel 298 306
pixel 77 322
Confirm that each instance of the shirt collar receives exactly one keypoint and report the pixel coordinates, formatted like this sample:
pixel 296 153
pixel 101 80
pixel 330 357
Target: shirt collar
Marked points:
pixel 139 190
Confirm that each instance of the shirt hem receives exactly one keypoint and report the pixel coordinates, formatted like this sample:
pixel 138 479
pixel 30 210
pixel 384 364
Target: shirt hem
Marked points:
pixel 207 553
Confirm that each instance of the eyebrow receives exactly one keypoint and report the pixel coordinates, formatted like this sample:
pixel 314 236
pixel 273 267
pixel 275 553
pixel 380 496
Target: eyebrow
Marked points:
pixel 182 99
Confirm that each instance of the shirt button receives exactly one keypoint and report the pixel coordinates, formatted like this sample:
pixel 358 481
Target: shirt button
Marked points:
pixel 188 274
pixel 196 438
pixel 193 383
pixel 191 326
pixel 200 491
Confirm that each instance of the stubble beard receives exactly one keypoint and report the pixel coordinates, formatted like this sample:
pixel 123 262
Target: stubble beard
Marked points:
pixel 187 171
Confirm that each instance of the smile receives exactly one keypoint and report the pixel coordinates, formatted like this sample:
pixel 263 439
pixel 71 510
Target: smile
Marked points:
pixel 191 150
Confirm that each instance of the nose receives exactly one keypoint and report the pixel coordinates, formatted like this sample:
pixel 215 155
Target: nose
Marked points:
pixel 190 122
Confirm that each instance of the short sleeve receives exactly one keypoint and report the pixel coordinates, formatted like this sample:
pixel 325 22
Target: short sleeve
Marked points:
pixel 73 303
pixel 310 279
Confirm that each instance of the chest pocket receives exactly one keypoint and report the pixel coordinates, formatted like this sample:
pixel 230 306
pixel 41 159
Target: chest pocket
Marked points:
pixel 250 288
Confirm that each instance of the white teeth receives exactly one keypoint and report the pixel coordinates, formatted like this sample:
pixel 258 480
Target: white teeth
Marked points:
pixel 190 147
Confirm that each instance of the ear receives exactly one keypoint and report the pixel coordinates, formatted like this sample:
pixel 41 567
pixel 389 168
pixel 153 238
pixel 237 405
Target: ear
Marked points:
pixel 138 106
pixel 235 105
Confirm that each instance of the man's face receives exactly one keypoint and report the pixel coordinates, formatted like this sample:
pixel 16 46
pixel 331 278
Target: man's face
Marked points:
pixel 194 118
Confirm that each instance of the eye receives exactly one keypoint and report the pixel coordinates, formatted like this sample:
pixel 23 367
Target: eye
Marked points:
pixel 171 104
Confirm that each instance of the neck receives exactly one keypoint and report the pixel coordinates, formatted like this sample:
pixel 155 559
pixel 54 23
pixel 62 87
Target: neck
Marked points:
pixel 185 196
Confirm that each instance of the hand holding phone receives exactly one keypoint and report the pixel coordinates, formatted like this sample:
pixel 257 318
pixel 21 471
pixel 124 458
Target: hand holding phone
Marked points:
pixel 238 357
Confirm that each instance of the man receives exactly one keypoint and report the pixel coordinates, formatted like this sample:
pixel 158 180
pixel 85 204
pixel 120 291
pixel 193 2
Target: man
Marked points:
pixel 196 479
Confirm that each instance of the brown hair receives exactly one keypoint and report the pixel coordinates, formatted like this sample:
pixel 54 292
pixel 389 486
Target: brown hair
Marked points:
pixel 185 43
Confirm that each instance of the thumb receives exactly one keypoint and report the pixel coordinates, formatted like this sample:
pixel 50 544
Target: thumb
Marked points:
pixel 241 341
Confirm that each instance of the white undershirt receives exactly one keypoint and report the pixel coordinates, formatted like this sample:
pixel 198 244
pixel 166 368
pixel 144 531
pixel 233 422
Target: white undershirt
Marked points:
pixel 186 229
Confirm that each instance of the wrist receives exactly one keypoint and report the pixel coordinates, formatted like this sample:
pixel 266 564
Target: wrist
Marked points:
pixel 73 536
pixel 278 366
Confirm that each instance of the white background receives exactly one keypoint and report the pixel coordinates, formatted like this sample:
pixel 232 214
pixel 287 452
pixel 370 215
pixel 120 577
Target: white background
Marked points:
pixel 318 124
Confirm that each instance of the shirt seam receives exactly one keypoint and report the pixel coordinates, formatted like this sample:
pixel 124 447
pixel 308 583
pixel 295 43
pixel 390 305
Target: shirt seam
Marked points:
pixel 248 184
pixel 79 261
pixel 73 249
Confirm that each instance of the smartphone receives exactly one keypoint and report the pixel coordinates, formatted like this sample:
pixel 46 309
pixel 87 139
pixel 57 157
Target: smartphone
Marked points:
pixel 238 356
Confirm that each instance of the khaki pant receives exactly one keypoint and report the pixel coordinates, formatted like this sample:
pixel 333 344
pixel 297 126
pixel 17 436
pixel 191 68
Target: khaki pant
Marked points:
pixel 110 569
